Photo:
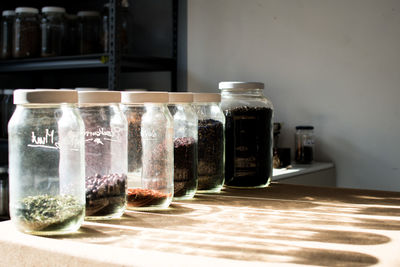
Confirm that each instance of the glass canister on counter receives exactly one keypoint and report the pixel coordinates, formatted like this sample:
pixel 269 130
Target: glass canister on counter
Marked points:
pixel 26 34
pixel 89 32
pixel 211 143
pixel 7 25
pixel 248 134
pixel 185 145
pixel 150 150
pixel 46 162
pixel 304 144
pixel 105 154
pixel 53 31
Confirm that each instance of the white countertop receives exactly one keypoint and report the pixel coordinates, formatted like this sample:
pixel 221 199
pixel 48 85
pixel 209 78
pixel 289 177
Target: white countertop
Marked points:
pixel 299 169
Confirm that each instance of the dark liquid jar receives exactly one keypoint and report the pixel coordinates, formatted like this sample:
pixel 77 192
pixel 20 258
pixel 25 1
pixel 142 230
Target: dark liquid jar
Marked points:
pixel 89 32
pixel 248 134
pixel 53 31
pixel 26 35
pixel 7 24
pixel 304 144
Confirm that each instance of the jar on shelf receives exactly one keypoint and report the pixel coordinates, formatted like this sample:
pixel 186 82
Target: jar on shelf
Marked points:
pixel 72 35
pixel 26 34
pixel 46 162
pixel 211 142
pixel 89 32
pixel 150 150
pixel 7 24
pixel 53 31
pixel 122 27
pixel 105 154
pixel 248 134
pixel 185 145
pixel 304 144
pixel 4 192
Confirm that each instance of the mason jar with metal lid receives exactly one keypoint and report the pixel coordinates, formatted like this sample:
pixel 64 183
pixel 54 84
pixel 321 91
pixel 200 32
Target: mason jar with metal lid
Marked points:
pixel 211 142
pixel 89 32
pixel 53 31
pixel 150 150
pixel 105 153
pixel 46 162
pixel 26 34
pixel 185 145
pixel 248 134
pixel 7 24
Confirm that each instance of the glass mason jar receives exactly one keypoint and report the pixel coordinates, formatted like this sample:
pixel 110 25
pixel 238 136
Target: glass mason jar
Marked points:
pixel 304 144
pixel 89 32
pixel 105 154
pixel 248 134
pixel 150 150
pixel 7 24
pixel 26 34
pixel 185 145
pixel 211 142
pixel 46 162
pixel 53 29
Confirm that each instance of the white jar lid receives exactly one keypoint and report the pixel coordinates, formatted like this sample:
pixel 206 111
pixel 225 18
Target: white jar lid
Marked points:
pixel 241 85
pixel 8 13
pixel 88 13
pixel 8 91
pixel 206 97
pixel 180 97
pixel 55 9
pixel 143 97
pixel 45 96
pixel 27 10
pixel 88 97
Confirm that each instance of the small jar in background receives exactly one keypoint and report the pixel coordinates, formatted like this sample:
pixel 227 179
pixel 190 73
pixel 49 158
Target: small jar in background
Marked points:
pixel 53 31
pixel 105 154
pixel 89 32
pixel 211 145
pixel 4 213
pixel 72 35
pixel 7 25
pixel 46 162
pixel 185 145
pixel 26 34
pixel 304 144
pixel 150 150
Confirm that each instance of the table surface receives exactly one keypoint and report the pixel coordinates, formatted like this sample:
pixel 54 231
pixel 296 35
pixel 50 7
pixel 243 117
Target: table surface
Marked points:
pixel 279 225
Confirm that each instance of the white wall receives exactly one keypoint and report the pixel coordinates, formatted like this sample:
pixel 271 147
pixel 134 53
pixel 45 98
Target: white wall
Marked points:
pixel 334 64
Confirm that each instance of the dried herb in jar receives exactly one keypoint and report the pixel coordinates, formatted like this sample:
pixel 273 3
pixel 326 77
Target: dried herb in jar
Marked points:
pixel 134 141
pixel 185 166
pixel 139 197
pixel 48 213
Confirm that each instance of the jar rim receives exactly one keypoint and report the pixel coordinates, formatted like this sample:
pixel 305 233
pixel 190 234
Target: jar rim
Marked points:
pixel 88 97
pixel 88 13
pixel 238 85
pixel 44 96
pixel 138 97
pixel 181 97
pixel 31 10
pixel 8 13
pixel 55 9
pixel 206 97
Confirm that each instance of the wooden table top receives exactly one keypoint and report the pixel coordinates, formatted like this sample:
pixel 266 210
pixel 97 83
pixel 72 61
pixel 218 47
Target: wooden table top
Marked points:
pixel 279 225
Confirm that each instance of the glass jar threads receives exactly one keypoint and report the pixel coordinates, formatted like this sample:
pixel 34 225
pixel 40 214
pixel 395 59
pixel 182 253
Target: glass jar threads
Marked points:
pixel 185 145
pixel 53 30
pixel 46 162
pixel 304 144
pixel 89 32
pixel 7 24
pixel 248 134
pixel 150 150
pixel 26 34
pixel 211 143
pixel 105 154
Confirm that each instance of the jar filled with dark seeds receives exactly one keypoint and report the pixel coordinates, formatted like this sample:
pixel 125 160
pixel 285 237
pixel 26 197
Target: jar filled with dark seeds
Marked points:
pixel 7 25
pixel 248 134
pixel 46 162
pixel 304 144
pixel 89 26
pixel 211 143
pixel 150 150
pixel 105 154
pixel 26 34
pixel 185 145
pixel 53 31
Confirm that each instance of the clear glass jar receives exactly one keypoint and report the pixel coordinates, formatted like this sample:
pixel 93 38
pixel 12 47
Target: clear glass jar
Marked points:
pixel 7 24
pixel 211 142
pixel 26 34
pixel 248 134
pixel 53 30
pixel 150 150
pixel 185 145
pixel 72 35
pixel 105 154
pixel 304 144
pixel 46 162
pixel 89 32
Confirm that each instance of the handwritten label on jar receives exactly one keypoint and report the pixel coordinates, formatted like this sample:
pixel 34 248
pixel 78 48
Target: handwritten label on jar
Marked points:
pixel 46 141
pixel 100 135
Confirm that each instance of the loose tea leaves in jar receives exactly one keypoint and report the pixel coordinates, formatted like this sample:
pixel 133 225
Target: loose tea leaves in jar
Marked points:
pixel 184 165
pixel 140 197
